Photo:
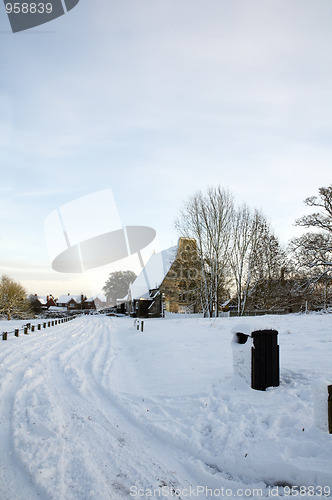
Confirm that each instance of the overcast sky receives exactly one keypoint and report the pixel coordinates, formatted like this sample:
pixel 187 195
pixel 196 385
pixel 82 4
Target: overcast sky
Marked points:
pixel 156 99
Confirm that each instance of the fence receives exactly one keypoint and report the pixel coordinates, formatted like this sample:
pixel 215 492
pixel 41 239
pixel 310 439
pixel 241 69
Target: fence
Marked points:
pixel 28 327
pixel 254 312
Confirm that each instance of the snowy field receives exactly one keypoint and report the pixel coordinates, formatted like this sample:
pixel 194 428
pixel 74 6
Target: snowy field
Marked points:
pixel 94 409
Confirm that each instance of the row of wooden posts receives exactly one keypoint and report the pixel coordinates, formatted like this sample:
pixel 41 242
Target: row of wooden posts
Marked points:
pixel 26 329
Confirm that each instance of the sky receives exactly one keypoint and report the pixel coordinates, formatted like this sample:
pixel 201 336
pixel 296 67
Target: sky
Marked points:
pixel 156 100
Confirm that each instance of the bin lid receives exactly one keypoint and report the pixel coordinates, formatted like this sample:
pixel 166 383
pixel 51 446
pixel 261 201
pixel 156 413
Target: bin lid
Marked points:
pixel 240 338
pixel 266 333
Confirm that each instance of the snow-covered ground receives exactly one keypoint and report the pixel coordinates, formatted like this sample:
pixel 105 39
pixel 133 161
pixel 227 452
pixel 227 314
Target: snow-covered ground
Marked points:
pixel 95 409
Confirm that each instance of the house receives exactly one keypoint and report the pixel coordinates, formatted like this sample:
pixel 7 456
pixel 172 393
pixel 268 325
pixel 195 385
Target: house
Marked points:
pixel 88 305
pixel 168 282
pixel 99 301
pixel 71 302
pixel 45 301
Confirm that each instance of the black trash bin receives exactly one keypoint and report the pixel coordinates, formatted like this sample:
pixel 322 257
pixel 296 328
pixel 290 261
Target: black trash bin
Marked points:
pixel 264 360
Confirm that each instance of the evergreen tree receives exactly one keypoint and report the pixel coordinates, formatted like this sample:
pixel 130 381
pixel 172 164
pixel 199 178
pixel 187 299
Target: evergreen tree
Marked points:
pixel 117 285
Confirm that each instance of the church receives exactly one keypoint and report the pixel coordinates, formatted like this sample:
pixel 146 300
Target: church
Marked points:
pixel 169 282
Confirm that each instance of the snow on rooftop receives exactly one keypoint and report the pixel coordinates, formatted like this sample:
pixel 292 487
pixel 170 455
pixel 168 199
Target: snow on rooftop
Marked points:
pixel 153 273
pixel 123 299
pixel 99 296
pixel 64 299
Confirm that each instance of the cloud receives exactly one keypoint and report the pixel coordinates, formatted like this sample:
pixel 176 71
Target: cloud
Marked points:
pixel 157 99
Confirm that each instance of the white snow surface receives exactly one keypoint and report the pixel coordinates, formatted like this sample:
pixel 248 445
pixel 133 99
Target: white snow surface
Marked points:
pixel 96 409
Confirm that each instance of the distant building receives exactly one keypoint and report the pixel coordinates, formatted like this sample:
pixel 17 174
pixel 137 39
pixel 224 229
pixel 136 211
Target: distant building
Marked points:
pixel 180 287
pixel 169 282
pixel 80 302
pixel 97 302
pixel 71 302
pixel 45 301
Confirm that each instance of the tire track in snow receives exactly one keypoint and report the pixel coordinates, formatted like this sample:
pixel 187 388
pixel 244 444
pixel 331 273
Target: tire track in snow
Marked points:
pixel 112 424
pixel 27 354
pixel 70 438
pixel 184 459
pixel 14 475
pixel 16 359
pixel 79 438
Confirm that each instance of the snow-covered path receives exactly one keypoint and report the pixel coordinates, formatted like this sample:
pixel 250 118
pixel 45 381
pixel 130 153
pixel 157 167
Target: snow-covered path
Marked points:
pixel 94 409
pixel 63 432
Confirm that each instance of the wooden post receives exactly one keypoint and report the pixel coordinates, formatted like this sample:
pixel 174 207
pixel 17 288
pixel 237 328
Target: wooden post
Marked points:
pixel 44 325
pixel 142 325
pixel 4 336
pixel 137 325
pixel 52 323
pixel 17 333
pixel 32 328
pixel 329 388
pixel 25 330
pixel 38 326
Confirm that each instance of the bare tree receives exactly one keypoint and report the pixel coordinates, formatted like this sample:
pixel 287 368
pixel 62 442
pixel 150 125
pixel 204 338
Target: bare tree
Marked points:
pixel 208 219
pixel 269 287
pixel 312 252
pixel 257 259
pixel 322 219
pixel 248 232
